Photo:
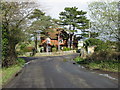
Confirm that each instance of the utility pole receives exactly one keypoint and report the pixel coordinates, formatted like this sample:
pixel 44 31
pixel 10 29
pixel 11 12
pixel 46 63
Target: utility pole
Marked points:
pixel 69 41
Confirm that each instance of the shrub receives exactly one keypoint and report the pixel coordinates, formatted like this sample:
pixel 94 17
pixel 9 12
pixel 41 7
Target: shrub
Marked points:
pixel 101 45
pixel 54 49
pixel 104 56
pixel 78 59
pixel 21 52
pixel 93 41
pixel 22 46
pixel 66 49
pixel 21 61
pixel 28 49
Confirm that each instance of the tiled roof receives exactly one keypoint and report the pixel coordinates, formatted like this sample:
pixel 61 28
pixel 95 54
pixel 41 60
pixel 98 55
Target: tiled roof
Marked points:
pixel 53 36
pixel 54 42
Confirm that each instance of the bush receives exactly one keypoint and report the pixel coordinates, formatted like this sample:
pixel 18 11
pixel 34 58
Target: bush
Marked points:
pixel 66 49
pixel 22 46
pixel 21 61
pixel 28 49
pixel 103 60
pixel 106 66
pixel 80 60
pixel 77 59
pixel 20 52
pixel 104 56
pixel 101 45
pixel 54 49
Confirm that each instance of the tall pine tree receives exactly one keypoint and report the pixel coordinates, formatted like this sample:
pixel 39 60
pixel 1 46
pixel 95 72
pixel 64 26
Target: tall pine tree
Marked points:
pixel 75 20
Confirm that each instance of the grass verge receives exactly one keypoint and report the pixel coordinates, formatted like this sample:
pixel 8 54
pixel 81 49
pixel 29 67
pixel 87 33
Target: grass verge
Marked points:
pixel 104 65
pixel 8 73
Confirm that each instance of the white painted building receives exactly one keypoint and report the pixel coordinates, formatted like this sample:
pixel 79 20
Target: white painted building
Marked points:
pixel 80 44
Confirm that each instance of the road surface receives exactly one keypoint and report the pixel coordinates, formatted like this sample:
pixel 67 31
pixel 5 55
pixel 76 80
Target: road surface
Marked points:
pixel 58 72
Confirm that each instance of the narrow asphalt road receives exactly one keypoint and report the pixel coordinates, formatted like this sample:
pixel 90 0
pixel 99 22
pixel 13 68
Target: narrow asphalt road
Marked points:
pixel 58 72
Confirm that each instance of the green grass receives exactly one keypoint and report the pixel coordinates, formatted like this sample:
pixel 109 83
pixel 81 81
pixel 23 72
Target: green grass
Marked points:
pixel 78 59
pixel 8 73
pixel 102 65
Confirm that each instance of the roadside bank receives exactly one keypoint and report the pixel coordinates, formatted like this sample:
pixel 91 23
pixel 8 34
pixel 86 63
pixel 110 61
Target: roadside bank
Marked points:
pixel 103 68
pixel 7 74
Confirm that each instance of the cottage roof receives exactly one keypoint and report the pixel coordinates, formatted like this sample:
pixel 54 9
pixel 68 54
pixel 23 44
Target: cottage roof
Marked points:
pixel 54 42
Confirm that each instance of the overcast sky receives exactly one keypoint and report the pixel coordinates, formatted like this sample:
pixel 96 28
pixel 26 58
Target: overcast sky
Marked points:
pixel 54 7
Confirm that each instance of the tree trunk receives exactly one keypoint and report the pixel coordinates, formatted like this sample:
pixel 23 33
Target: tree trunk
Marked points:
pixel 72 41
pixel 11 57
pixel 72 38
pixel 58 42
pixel 36 43
pixel 69 41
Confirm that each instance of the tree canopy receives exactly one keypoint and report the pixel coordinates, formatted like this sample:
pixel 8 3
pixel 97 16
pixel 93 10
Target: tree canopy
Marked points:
pixel 75 20
pixel 40 22
pixel 14 24
pixel 104 16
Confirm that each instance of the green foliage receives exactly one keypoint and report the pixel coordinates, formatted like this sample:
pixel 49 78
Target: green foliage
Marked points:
pixel 84 35
pixel 103 60
pixel 100 45
pixel 28 49
pixel 78 59
pixel 104 56
pixel 21 52
pixel 54 49
pixel 21 61
pixel 92 42
pixel 36 14
pixel 105 22
pixel 7 73
pixel 5 39
pixel 71 16
pixel 75 20
pixel 40 22
pixel 94 34
pixel 66 49
pixel 4 46
pixel 106 66
pixel 13 29
pixel 22 46
pixel 12 70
